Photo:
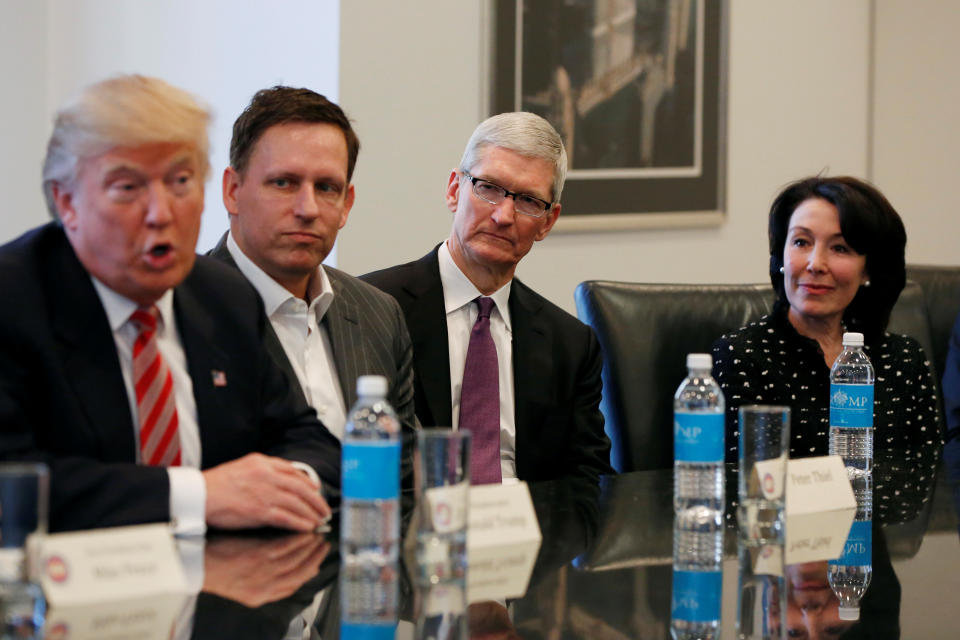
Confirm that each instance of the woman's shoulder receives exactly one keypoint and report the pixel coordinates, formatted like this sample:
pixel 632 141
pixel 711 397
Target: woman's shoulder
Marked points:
pixel 756 331
pixel 899 343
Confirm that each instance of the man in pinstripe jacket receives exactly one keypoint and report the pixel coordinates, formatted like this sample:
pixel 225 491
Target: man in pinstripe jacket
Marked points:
pixel 288 192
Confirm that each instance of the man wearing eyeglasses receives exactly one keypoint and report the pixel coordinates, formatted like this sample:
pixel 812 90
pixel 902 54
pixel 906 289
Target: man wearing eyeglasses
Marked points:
pixel 492 356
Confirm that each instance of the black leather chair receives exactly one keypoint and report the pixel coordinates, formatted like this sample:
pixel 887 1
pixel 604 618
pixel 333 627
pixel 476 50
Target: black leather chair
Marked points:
pixel 646 330
pixel 941 292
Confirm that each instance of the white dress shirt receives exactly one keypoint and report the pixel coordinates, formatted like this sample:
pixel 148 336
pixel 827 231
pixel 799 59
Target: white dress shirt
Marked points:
pixel 304 338
pixel 458 296
pixel 188 491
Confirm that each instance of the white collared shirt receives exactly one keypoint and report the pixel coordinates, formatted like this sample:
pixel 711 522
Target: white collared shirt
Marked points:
pixel 188 493
pixel 304 338
pixel 458 296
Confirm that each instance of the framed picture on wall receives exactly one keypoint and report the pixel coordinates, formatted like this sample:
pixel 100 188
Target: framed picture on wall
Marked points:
pixel 636 89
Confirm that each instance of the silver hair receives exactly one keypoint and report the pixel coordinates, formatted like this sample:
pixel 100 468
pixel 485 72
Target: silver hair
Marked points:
pixel 521 132
pixel 125 111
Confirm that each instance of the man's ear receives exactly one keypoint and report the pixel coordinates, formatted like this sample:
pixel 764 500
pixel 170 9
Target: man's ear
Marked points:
pixel 548 221
pixel 63 201
pixel 453 190
pixel 232 181
pixel 347 205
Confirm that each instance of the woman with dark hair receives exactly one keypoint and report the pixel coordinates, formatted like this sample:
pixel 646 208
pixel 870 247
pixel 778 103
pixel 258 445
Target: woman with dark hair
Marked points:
pixel 836 264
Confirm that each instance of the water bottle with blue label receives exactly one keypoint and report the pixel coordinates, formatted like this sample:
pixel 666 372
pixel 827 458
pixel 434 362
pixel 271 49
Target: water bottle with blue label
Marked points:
pixel 698 434
pixel 851 407
pixel 697 587
pixel 849 575
pixel 370 520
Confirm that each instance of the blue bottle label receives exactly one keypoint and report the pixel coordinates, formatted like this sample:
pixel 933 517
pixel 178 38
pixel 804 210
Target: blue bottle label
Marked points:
pixel 858 549
pixel 371 470
pixel 698 437
pixel 851 405
pixel 696 595
pixel 361 631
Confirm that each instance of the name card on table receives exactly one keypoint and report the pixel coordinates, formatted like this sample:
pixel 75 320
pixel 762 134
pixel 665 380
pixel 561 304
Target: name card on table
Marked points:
pixel 819 510
pixel 503 538
pixel 122 563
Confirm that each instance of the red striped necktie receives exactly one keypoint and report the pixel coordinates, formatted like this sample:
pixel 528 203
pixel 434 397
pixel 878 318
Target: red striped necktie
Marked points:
pixel 153 384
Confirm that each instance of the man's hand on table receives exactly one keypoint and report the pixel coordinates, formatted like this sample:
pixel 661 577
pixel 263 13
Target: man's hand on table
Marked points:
pixel 263 491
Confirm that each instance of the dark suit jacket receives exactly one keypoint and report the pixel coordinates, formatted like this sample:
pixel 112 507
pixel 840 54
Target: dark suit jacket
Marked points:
pixel 556 373
pixel 63 401
pixel 368 336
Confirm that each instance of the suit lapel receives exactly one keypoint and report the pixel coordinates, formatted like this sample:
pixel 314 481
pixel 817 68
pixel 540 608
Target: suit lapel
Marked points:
pixel 532 368
pixel 343 322
pixel 427 322
pixel 89 356
pixel 198 333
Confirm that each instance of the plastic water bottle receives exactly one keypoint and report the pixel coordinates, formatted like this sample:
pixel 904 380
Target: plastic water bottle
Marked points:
pixel 851 407
pixel 697 584
pixel 849 575
pixel 698 433
pixel 698 502
pixel 370 521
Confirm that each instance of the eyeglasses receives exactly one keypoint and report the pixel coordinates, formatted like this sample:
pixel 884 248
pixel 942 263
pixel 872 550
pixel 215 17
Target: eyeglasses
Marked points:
pixel 495 194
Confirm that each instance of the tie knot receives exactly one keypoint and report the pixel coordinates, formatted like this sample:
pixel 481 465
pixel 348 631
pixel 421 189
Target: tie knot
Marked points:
pixel 145 318
pixel 486 306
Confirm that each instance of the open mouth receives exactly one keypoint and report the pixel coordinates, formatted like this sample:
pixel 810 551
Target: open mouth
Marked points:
pixel 160 250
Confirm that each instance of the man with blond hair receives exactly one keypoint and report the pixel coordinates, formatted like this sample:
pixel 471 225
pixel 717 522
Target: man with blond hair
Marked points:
pixel 136 370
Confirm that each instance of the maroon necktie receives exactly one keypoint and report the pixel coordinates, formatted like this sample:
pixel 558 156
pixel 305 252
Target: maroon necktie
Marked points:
pixel 153 386
pixel 480 399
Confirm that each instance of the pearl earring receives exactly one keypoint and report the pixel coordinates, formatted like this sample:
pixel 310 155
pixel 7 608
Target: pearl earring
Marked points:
pixel 781 269
pixel 866 283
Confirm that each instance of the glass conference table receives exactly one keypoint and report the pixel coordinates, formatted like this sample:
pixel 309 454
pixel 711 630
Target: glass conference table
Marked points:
pixel 603 571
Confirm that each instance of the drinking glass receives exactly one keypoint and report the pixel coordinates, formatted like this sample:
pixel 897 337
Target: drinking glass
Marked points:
pixel 764 438
pixel 442 497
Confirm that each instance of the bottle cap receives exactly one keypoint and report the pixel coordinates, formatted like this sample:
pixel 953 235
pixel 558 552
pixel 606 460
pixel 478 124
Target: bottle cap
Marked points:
pixel 372 386
pixel 699 361
pixel 849 613
pixel 853 339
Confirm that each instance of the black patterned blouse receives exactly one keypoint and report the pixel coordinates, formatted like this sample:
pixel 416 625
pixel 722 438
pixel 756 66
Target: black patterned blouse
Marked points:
pixel 768 362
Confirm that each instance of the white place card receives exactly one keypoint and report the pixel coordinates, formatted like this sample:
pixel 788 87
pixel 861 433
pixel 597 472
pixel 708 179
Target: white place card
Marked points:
pixel 503 538
pixel 500 572
pixel 820 508
pixel 140 619
pixel 501 514
pixel 110 565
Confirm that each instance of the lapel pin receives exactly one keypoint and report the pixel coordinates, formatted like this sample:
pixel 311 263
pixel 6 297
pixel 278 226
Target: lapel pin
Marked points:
pixel 219 378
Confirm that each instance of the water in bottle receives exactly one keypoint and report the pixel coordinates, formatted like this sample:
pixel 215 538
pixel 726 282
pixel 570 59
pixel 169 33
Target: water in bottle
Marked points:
pixel 851 407
pixel 849 575
pixel 370 522
pixel 698 435
pixel 697 583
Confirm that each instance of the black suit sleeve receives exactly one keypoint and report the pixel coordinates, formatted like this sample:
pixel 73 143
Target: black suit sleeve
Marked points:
pixel 84 491
pixel 590 452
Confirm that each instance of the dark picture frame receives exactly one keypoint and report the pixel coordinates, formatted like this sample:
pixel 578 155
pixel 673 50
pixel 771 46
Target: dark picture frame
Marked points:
pixel 637 89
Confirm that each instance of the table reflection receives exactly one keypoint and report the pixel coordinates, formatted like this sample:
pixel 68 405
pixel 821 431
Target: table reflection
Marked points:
pixel 603 570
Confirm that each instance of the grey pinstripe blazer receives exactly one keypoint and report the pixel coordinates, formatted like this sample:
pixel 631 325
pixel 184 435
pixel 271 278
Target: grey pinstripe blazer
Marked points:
pixel 368 335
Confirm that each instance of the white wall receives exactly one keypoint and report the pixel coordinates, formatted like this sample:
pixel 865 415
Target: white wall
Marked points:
pixel 23 121
pixel 916 141
pixel 798 104
pixel 221 50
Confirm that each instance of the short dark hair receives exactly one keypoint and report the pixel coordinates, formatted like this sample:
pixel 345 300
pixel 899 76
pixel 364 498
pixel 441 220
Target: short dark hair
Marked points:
pixel 869 224
pixel 279 105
